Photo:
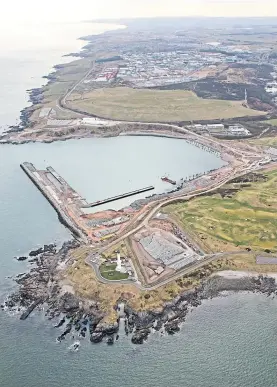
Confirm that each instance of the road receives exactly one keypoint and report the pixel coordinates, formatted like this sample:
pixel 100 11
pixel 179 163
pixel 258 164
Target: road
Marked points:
pixel 163 202
pixel 61 102
pixel 185 271
pixel 144 223
pixel 137 224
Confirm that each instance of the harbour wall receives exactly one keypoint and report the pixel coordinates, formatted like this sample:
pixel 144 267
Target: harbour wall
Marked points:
pixel 63 218
pixel 118 197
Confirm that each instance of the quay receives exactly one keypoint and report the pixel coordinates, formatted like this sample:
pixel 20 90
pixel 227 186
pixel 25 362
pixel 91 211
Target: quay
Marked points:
pixel 69 204
pixel 57 192
pixel 118 197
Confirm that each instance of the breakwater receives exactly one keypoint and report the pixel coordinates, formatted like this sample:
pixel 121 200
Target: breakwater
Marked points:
pixel 118 197
pixel 31 172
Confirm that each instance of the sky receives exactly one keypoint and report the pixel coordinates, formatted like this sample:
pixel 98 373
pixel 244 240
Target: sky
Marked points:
pixel 78 10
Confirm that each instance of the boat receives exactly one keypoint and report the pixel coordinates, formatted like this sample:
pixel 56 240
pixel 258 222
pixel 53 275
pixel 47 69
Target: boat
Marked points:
pixel 167 180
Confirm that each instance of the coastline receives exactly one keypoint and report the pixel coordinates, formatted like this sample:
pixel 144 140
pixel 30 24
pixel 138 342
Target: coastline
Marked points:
pixel 86 316
pixel 39 100
pixel 35 94
pixel 72 312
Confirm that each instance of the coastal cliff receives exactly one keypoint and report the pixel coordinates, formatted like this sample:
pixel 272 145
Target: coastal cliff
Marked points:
pixel 74 314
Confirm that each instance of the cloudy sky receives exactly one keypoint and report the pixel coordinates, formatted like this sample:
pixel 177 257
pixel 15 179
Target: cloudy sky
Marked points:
pixel 76 10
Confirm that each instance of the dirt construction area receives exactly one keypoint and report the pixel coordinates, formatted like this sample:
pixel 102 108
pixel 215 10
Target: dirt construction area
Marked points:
pixel 160 253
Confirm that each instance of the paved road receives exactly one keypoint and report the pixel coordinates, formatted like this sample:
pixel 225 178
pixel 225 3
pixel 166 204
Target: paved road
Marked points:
pixel 61 102
pixel 162 202
pixel 186 270
pixel 144 223
pixel 244 156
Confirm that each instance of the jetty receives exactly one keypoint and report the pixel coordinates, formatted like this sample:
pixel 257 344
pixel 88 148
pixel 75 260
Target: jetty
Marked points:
pixel 58 193
pixel 68 203
pixel 118 197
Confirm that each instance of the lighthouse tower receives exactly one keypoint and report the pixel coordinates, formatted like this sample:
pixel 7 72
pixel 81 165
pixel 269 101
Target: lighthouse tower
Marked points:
pixel 245 97
pixel 118 263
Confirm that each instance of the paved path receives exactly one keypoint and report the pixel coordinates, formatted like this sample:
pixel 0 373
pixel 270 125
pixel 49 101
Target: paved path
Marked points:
pixel 61 103
pixel 144 223
pixel 162 202
pixel 244 155
pixel 90 260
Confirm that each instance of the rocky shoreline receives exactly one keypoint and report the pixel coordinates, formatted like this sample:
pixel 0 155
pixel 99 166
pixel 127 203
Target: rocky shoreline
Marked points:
pixel 37 95
pixel 41 287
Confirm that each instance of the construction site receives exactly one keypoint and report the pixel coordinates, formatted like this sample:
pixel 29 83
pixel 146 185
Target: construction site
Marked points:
pixel 71 206
pixel 161 253
pixel 157 246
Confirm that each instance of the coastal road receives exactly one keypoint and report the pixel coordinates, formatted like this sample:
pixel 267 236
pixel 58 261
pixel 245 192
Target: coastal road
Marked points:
pixel 144 223
pixel 70 91
pixel 208 258
pixel 61 102
pixel 136 223
pixel 163 202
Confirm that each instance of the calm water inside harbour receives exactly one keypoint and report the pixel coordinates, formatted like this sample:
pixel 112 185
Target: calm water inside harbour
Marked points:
pixel 227 342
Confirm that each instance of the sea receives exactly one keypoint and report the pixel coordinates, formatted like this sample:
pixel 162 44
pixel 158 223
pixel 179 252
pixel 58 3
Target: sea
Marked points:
pixel 229 341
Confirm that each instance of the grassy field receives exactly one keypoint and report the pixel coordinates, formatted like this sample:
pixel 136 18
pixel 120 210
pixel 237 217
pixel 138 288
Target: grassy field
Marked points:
pixel 85 283
pixel 265 141
pixel 66 77
pixel 248 219
pixel 109 272
pixel 273 122
pixel 156 105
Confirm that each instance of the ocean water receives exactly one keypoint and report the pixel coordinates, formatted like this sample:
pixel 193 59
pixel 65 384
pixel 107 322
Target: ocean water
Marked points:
pixel 97 167
pixel 28 52
pixel 228 341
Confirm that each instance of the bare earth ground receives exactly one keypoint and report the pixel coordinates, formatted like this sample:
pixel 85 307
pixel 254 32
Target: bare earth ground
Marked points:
pixel 230 223
pixel 155 105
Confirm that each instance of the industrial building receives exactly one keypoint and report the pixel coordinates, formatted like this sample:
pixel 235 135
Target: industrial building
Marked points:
pixel 219 130
pixel 238 130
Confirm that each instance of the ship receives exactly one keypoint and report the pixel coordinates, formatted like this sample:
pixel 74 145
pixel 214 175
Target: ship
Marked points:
pixel 167 180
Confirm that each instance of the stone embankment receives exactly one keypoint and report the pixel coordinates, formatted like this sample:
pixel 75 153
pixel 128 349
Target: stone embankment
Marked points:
pixel 78 316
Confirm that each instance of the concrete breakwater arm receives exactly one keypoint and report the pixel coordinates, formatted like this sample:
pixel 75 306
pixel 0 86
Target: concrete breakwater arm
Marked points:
pixel 118 197
pixel 31 172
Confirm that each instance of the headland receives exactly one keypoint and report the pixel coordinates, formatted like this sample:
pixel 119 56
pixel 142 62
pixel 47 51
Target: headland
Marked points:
pixel 151 262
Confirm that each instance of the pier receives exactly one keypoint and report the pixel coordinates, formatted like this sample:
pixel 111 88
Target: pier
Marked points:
pixel 57 192
pixel 70 205
pixel 118 197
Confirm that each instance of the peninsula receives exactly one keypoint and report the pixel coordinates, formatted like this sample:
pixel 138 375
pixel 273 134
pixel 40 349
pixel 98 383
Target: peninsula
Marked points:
pixel 150 262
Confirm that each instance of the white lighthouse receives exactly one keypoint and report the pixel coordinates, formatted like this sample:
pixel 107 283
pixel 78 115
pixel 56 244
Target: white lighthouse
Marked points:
pixel 118 263
pixel 245 97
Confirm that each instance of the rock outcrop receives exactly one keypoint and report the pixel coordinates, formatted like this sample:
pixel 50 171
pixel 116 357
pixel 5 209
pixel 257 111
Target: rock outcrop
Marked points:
pixel 77 316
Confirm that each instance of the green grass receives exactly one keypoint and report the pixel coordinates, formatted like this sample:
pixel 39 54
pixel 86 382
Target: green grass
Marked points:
pixel 108 272
pixel 273 122
pixel 265 141
pixel 66 77
pixel 248 219
pixel 122 103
